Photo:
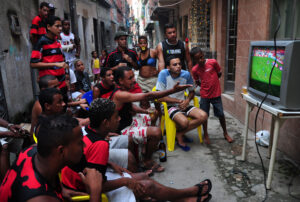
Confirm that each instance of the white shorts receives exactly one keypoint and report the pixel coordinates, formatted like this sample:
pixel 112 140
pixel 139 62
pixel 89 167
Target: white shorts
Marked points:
pixel 118 150
pixel 14 144
pixel 138 128
pixel 122 193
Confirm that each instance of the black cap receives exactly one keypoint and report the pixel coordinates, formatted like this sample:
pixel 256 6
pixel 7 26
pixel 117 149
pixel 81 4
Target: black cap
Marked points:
pixel 119 34
pixel 51 6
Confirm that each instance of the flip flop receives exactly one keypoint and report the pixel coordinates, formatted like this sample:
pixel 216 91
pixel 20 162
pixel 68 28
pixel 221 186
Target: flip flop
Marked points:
pixel 201 186
pixel 206 199
pixel 184 148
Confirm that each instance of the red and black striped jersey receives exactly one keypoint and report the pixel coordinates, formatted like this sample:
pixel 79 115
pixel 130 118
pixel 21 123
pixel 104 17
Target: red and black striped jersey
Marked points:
pixel 23 182
pixel 49 51
pixel 38 27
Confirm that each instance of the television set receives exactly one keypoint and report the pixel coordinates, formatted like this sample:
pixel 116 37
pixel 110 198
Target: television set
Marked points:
pixel 284 90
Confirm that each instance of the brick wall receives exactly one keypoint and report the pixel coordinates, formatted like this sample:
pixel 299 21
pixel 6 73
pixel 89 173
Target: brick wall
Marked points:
pixel 253 25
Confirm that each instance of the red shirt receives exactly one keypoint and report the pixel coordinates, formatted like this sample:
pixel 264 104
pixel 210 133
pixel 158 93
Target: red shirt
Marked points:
pixel 208 75
pixel 38 27
pixel 96 153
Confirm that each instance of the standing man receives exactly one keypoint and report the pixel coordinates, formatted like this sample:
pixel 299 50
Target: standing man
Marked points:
pixel 172 46
pixel 70 44
pixel 122 55
pixel 38 27
pixel 47 57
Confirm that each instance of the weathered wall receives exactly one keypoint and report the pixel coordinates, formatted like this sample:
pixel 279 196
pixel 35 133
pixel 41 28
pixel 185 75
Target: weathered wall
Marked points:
pixel 14 64
pixel 86 11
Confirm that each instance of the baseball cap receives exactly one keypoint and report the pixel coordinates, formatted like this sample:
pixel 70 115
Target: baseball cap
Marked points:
pixel 51 6
pixel 119 34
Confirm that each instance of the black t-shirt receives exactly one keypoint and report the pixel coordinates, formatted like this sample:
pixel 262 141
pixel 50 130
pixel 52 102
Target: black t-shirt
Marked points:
pixel 115 58
pixel 23 182
pixel 178 50
pixel 83 81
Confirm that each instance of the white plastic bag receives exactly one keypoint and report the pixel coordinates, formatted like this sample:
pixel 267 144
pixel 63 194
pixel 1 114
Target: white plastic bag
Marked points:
pixel 262 138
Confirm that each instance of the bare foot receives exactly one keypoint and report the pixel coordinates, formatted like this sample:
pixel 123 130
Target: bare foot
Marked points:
pixel 228 138
pixel 206 140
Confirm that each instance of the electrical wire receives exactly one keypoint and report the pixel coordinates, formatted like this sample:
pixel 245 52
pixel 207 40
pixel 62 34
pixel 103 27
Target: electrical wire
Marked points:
pixel 265 97
pixel 170 5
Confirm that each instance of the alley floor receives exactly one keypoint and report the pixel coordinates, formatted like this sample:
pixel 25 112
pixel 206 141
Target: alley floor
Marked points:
pixel 233 180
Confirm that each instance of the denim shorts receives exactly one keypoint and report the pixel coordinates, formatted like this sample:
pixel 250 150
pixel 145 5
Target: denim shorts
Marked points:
pixel 217 104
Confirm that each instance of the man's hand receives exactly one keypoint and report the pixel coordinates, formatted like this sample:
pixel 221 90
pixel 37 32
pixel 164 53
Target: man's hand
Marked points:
pixel 111 135
pixel 137 187
pixel 92 180
pixel 118 169
pixel 68 193
pixel 62 65
pixel 82 101
pixel 127 57
pixel 178 87
pixel 122 64
pixel 184 104
pixel 11 134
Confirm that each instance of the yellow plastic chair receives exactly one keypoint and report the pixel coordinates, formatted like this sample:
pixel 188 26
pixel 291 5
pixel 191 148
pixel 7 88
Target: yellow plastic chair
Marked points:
pixel 87 197
pixel 171 126
pixel 77 198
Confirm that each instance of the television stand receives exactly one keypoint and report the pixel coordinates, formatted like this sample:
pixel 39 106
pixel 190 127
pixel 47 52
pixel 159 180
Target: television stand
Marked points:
pixel 278 117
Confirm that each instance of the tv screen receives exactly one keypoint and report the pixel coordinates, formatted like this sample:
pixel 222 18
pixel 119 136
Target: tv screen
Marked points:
pixel 262 61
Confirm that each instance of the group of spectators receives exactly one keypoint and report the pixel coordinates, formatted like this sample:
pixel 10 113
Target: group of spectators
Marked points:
pixel 94 142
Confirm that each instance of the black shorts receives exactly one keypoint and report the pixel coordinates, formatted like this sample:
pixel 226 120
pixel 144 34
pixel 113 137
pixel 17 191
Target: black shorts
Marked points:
pixel 217 105
pixel 173 110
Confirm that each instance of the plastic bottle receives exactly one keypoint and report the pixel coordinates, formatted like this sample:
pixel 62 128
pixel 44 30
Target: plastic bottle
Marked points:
pixel 162 151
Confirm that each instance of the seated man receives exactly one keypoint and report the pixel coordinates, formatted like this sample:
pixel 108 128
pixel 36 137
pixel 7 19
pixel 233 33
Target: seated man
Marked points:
pixel 141 133
pixel 178 107
pixel 11 140
pixel 34 176
pixel 83 83
pixel 104 119
pixel 45 82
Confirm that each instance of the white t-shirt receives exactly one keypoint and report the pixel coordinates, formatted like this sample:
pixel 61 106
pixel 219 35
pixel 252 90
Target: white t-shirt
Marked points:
pixel 66 42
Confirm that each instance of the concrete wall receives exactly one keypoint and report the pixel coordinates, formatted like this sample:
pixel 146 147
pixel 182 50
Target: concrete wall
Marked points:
pixel 86 12
pixel 253 24
pixel 14 64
